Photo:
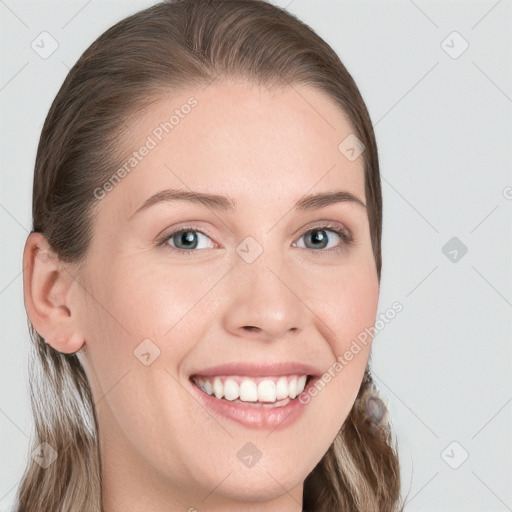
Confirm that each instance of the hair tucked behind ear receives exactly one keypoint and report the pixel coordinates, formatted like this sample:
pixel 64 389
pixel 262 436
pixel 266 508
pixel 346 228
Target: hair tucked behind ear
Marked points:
pixel 170 46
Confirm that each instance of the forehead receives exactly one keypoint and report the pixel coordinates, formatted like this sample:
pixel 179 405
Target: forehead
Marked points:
pixel 259 145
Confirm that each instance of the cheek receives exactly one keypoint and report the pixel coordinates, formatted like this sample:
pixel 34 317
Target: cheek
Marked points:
pixel 151 300
pixel 349 305
pixel 348 310
pixel 132 304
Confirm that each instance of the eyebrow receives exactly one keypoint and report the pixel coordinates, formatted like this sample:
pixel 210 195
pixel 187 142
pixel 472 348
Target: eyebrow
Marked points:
pixel 226 203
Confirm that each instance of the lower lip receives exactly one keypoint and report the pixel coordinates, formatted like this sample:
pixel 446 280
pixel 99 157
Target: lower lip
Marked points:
pixel 252 416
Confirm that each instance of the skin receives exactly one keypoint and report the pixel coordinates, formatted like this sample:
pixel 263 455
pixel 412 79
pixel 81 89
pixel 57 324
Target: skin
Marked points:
pixel 265 148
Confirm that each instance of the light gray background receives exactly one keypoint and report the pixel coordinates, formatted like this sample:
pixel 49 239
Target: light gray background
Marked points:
pixel 443 127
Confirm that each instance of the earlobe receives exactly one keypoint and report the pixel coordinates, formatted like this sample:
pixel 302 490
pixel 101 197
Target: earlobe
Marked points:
pixel 47 287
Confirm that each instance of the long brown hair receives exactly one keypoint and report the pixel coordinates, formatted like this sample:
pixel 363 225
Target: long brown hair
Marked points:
pixel 175 44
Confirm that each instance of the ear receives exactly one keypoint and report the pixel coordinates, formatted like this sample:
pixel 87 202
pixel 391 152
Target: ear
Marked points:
pixel 49 291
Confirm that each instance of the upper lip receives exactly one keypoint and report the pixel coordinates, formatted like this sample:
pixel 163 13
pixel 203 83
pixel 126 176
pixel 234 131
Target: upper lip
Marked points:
pixel 259 369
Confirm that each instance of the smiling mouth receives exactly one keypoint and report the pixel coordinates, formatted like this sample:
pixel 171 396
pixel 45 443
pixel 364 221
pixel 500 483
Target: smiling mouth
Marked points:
pixel 269 391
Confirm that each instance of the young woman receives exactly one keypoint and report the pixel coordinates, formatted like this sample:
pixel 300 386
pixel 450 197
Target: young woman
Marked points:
pixel 203 271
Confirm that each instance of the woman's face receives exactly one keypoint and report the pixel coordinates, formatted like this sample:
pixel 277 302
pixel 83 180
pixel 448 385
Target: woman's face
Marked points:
pixel 248 293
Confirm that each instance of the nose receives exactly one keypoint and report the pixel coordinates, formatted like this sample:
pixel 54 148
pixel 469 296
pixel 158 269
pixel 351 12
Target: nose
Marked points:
pixel 264 301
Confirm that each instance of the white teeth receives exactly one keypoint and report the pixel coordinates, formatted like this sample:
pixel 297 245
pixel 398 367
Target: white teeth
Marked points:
pixel 301 384
pixel 231 390
pixel 208 387
pixel 292 387
pixel 266 391
pixel 218 388
pixel 246 389
pixel 282 388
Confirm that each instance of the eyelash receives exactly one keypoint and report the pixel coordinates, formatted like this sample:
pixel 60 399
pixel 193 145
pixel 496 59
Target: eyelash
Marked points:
pixel 345 236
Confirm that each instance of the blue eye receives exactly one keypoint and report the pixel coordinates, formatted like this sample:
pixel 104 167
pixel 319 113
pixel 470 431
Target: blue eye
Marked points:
pixel 187 240
pixel 320 239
